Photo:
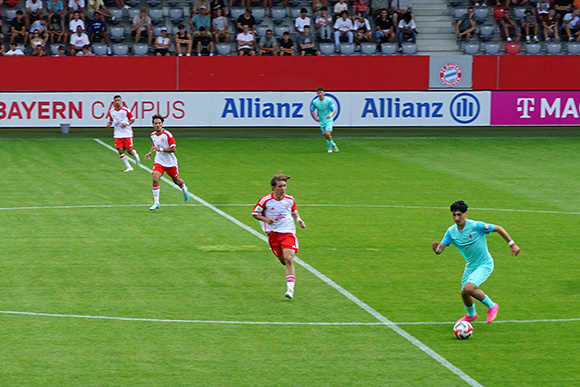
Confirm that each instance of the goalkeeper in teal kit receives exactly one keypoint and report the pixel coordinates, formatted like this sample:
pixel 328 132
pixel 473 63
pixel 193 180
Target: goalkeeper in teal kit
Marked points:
pixel 469 238
pixel 323 111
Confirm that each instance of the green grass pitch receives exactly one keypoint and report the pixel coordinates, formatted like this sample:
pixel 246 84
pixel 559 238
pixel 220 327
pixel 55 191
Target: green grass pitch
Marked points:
pixel 78 240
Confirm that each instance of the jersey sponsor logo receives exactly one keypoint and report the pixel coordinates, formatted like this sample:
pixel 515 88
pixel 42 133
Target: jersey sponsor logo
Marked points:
pixel 255 108
pixel 465 108
pixel 450 74
pixel 336 104
pixel 470 237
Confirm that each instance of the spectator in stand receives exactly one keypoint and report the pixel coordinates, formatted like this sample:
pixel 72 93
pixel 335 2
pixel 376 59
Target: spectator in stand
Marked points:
pixel 343 27
pixel 86 51
pixel 55 7
pixel 481 3
pixel 508 26
pixel 214 5
pixel 18 31
pixel 200 19
pixel 183 41
pixel 465 26
pixel 301 21
pixel 543 8
pixel 530 25
pixel 562 7
pixel 268 45
pixel 550 24
pixel 220 27
pixel 385 28
pixel 317 6
pixel 38 51
pixel 247 3
pixel 306 42
pixel 246 19
pixel 78 41
pixel 400 8
pixel 517 3
pixel 203 41
pixel 33 11
pixel 286 45
pixel 571 25
pixel 36 40
pixel 162 44
pixel 41 25
pixel 14 50
pixel 406 29
pixel 76 6
pixel 267 4
pixel 360 6
pixel 56 29
pixel 245 41
pixel 76 22
pixel 323 24
pixel 378 5
pixel 61 51
pixel 339 7
pixel 10 4
pixel 142 23
pixel 99 6
pixel 98 30
pixel 197 4
pixel 362 29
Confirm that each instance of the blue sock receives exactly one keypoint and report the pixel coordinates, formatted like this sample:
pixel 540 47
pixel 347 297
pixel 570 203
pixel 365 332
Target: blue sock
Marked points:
pixel 329 144
pixel 487 302
pixel 332 142
pixel 470 310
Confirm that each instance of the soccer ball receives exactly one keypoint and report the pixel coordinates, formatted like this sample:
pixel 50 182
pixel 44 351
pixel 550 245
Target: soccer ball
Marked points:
pixel 463 330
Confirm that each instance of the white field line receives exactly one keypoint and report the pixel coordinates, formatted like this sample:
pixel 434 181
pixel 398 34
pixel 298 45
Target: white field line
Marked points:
pixel 438 358
pixel 301 205
pixel 164 320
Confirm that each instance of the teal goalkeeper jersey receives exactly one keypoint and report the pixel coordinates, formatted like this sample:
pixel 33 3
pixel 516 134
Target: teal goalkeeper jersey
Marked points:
pixel 324 108
pixel 471 242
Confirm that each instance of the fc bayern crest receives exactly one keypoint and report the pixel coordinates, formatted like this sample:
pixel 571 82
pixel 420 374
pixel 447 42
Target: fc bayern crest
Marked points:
pixel 450 74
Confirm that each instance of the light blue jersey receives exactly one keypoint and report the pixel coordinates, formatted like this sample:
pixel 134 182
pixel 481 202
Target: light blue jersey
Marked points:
pixel 323 108
pixel 471 242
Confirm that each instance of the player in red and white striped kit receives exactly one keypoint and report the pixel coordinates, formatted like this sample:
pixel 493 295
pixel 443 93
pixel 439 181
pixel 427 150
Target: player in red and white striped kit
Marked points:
pixel 121 119
pixel 277 212
pixel 165 160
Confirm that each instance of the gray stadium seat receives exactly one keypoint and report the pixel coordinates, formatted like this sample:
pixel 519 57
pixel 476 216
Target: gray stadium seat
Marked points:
pixel 131 13
pixel 176 15
pixel 553 48
pixel 10 14
pixel 172 3
pixel 481 14
pixel 409 49
pixel 279 30
pixel 223 49
pixel 235 13
pixel 117 33
pixel 326 48
pixel 458 12
pixel 347 48
pixel 533 48
pixel 278 15
pixel 491 48
pixel 368 48
pixel 455 3
pixel 117 14
pixel 133 3
pixel 140 49
pixel 389 48
pixel 120 49
pixel 100 49
pixel 486 32
pixel 156 15
pixel 258 13
pixel 471 48
pixel 573 48
pixel 261 30
pixel 54 48
pixel 153 3
pixel 520 12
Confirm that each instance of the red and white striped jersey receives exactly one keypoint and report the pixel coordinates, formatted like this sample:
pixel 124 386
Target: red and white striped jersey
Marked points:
pixel 117 117
pixel 280 210
pixel 164 140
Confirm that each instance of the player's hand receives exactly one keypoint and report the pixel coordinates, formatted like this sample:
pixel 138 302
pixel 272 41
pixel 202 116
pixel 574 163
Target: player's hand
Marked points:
pixel 124 124
pixel 108 124
pixel 269 220
pixel 317 119
pixel 301 223
pixel 157 149
pixel 434 245
pixel 329 116
pixel 148 156
pixel 515 250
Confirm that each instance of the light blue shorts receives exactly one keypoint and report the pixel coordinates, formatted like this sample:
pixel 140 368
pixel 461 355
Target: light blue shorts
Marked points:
pixel 324 126
pixel 476 275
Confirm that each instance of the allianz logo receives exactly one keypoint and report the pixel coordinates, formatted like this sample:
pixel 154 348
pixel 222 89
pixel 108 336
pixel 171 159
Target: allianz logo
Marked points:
pixel 255 108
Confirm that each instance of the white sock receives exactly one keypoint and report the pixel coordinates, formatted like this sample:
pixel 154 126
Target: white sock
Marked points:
pixel 184 188
pixel 156 190
pixel 136 155
pixel 290 281
pixel 125 160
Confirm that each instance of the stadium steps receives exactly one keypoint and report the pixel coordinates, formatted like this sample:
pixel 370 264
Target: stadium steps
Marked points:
pixel 434 23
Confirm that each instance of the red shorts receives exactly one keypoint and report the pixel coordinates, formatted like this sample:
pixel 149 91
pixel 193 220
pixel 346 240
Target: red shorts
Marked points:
pixel 126 143
pixel 280 241
pixel 171 171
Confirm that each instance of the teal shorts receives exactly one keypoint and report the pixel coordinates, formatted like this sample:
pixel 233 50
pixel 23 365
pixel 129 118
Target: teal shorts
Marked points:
pixel 324 126
pixel 476 275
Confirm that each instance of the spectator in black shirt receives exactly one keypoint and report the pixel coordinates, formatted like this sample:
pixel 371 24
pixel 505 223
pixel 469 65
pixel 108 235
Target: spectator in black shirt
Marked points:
pixel 385 28
pixel 18 28
pixel 465 25
pixel 246 19
pixel 286 45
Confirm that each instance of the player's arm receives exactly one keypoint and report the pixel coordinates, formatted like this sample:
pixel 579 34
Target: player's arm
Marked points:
pixel 314 115
pixel 501 231
pixel 263 218
pixel 438 247
pixel 297 218
pixel 148 155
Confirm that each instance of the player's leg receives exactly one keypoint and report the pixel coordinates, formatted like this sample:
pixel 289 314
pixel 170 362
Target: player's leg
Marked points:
pixel 157 172
pixel 328 136
pixel 132 151
pixel 179 182
pixel 472 283
pixel 120 145
pixel 288 256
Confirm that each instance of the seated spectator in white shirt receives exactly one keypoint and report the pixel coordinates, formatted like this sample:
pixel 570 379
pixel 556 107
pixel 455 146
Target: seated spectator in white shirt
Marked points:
pixel 33 10
pixel 78 41
pixel 571 25
pixel 362 29
pixel 301 21
pixel 245 41
pixel 14 51
pixel 76 5
pixel 162 43
pixel 406 29
pixel 339 7
pixel 76 22
pixel 323 24
pixel 343 27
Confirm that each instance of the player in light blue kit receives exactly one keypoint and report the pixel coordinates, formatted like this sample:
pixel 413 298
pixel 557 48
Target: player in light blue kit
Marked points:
pixel 469 238
pixel 323 111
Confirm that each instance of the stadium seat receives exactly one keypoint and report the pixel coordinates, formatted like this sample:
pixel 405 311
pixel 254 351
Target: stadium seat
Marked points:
pixel 512 48
pixel 326 48
pixel 533 48
pixel 117 33
pixel 519 13
pixel 279 30
pixel 10 14
pixel 258 13
pixel 131 13
pixel 458 12
pixel 481 14
pixel 261 30
pixel 278 15
pixel 100 49
pixel 491 48
pixel 223 49
pixel 120 49
pixel 133 3
pixel 409 49
pixel 140 49
pixel 471 48
pixel 172 3
pixel 455 3
pixel 368 48
pixel 236 12
pixel 54 48
pixel 176 15
pixel 156 15
pixel 347 48
pixel 117 14
pixel 153 3
pixel 486 32
pixel 389 48
pixel 553 48
pixel 498 12
pixel 573 48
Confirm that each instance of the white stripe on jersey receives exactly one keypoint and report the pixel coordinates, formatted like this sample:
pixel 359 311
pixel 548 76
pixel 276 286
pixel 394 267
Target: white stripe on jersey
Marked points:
pixel 280 210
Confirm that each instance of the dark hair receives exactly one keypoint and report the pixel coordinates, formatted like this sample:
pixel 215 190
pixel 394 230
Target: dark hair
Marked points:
pixel 469 8
pixel 303 10
pixel 117 96
pixel 19 12
pixel 459 206
pixel 286 33
pixel 180 26
pixel 324 9
pixel 344 13
pixel 268 30
pixel 407 17
pixel 157 116
pixel 277 178
pixel 320 89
